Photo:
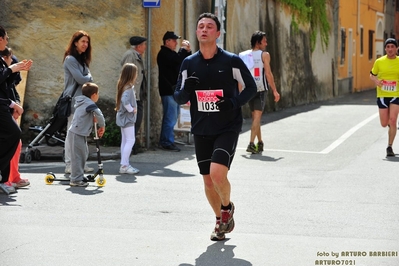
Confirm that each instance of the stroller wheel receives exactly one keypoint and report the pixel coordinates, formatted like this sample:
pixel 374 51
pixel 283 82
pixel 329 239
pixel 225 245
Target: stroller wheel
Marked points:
pixel 28 157
pixel 22 157
pixel 37 155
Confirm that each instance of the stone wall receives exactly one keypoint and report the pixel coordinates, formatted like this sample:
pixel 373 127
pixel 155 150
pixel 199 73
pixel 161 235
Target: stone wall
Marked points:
pixel 41 30
pixel 301 76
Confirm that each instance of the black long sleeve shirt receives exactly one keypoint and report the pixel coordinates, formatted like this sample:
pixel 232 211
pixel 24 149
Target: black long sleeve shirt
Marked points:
pixel 169 63
pixel 219 75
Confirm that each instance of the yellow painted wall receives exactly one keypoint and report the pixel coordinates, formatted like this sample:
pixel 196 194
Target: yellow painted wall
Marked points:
pixel 353 16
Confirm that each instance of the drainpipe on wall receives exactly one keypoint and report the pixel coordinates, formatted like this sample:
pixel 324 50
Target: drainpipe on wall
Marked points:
pixel 184 19
pixel 148 59
pixel 355 85
pixel 358 17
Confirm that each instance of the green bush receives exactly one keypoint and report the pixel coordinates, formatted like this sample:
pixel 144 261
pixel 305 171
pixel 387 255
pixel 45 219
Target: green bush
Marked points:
pixel 112 135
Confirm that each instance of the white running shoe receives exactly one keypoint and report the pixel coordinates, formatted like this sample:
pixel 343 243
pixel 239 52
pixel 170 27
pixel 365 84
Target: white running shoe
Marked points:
pixel 78 184
pixel 67 169
pixel 128 170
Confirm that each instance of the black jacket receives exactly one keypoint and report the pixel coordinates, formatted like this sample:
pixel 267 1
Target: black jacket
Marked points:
pixel 6 80
pixel 223 72
pixel 169 63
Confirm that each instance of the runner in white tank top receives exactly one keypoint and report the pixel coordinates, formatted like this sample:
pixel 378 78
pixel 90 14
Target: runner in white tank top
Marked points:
pixel 258 62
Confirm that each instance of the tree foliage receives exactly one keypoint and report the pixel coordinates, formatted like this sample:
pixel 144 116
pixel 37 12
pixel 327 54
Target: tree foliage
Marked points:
pixel 314 13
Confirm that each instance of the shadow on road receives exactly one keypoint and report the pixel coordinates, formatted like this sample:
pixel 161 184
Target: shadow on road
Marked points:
pixel 218 254
pixel 127 179
pixel 261 157
pixel 85 191
pixel 8 200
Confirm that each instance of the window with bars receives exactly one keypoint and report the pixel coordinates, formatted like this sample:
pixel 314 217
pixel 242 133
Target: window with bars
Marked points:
pixel 371 42
pixel 361 40
pixel 343 45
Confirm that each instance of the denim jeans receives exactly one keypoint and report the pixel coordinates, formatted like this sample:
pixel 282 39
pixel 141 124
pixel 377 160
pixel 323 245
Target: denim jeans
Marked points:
pixel 170 114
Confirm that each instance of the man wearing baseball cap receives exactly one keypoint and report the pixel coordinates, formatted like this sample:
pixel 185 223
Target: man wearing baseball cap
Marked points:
pixel 384 74
pixel 169 62
pixel 134 55
pixel 170 35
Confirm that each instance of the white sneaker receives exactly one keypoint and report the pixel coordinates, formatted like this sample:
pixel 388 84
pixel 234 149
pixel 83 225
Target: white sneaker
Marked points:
pixel 7 189
pixel 78 184
pixel 88 169
pixel 67 169
pixel 128 170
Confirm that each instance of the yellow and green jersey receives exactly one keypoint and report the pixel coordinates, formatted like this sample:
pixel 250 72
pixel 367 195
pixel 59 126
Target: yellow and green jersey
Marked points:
pixel 387 70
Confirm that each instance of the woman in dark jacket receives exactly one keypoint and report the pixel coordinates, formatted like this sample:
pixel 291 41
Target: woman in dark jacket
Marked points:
pixel 10 133
pixel 14 178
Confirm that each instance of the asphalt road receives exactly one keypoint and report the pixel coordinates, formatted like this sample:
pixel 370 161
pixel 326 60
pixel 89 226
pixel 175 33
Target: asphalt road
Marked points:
pixel 322 193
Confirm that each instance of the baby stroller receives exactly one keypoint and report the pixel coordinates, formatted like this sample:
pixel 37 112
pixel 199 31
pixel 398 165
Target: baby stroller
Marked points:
pixel 53 133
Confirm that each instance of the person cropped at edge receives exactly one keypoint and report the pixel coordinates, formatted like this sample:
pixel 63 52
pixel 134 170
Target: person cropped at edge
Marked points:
pixel 134 55
pixel 385 75
pixel 77 58
pixel 14 178
pixel 169 62
pixel 10 133
pixel 258 62
pixel 86 114
pixel 209 80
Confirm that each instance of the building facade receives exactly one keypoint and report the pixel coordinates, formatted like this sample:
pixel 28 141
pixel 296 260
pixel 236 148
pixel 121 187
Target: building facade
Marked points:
pixel 363 27
pixel 44 28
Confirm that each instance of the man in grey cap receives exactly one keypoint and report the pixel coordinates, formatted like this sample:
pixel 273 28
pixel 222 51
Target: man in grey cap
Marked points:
pixel 134 55
pixel 169 62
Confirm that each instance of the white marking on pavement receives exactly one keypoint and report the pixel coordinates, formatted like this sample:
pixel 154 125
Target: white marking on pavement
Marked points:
pixel 291 151
pixel 333 145
pixel 348 133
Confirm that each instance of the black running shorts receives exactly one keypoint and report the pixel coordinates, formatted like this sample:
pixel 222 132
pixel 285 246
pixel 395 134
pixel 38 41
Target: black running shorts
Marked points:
pixel 215 148
pixel 258 101
pixel 384 103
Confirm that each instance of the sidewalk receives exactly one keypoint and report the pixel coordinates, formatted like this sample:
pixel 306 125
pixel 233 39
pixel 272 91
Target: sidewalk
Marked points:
pixel 107 152
pixel 55 152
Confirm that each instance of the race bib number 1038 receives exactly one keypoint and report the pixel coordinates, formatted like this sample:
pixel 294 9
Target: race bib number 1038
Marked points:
pixel 206 100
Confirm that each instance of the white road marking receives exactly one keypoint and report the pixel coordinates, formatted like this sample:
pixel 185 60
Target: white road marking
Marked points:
pixel 347 134
pixel 333 145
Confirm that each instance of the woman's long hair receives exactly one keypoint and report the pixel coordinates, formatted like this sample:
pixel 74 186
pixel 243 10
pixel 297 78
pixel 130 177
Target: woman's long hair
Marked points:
pixel 83 58
pixel 126 80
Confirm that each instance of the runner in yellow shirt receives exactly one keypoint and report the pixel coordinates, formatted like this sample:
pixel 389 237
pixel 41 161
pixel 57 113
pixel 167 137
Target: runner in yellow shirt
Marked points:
pixel 385 75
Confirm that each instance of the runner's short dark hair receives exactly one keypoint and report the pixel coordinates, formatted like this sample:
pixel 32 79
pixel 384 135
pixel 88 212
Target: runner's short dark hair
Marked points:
pixel 211 16
pixel 257 37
